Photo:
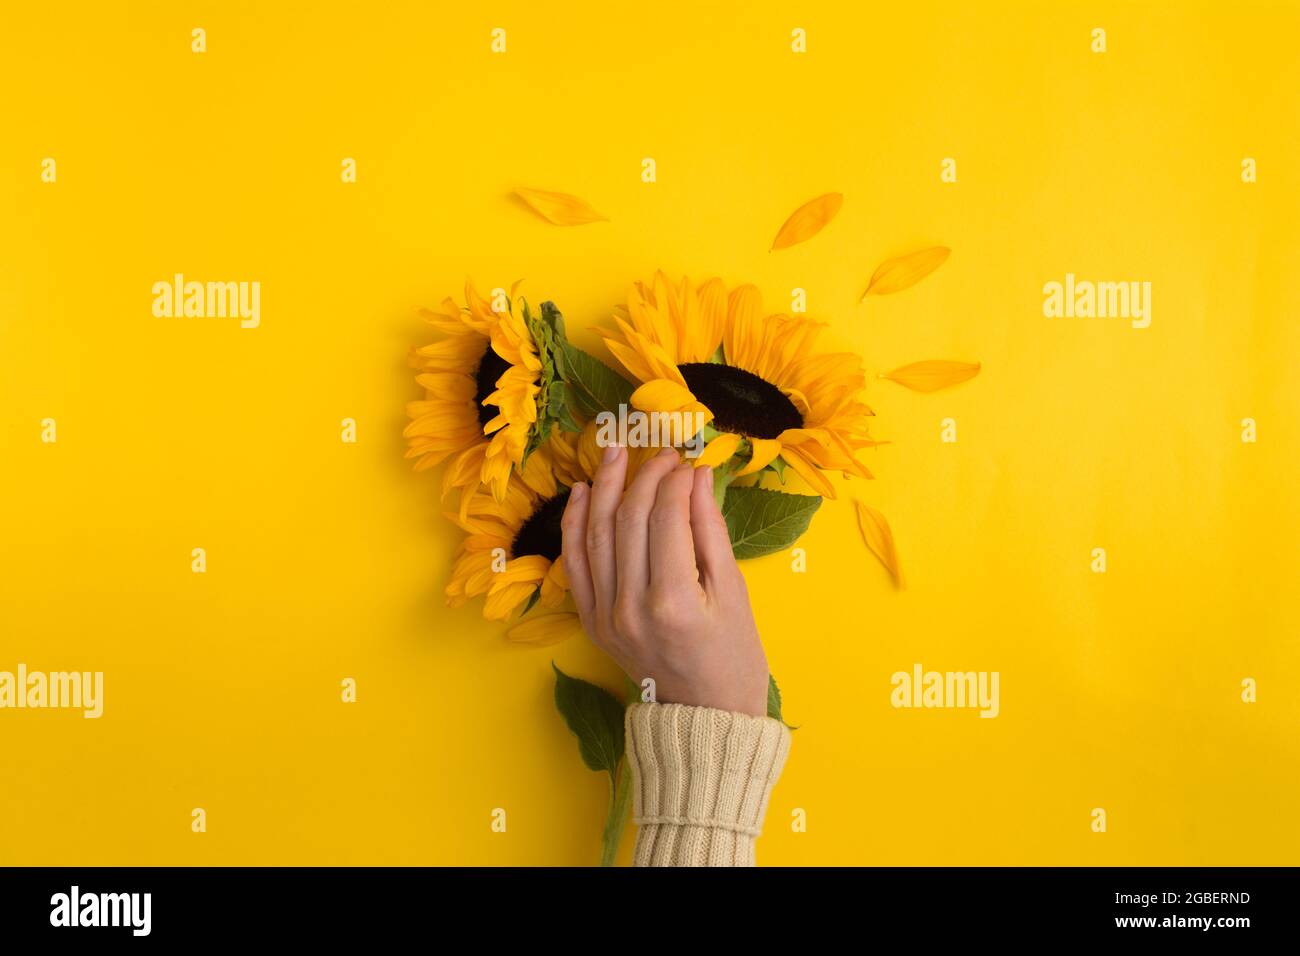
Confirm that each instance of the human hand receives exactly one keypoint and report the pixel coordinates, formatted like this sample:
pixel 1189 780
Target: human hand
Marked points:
pixel 657 587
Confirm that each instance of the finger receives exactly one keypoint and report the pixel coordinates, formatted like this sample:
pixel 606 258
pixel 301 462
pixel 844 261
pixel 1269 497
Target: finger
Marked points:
pixel 602 505
pixel 632 542
pixel 573 538
pixel 672 548
pixel 709 531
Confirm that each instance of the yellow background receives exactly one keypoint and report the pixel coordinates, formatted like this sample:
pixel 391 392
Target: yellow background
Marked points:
pixel 326 560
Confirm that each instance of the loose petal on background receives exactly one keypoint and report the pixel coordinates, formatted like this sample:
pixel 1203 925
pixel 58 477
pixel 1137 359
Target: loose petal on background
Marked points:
pixel 808 220
pixel 540 630
pixel 559 208
pixel 878 538
pixel 895 275
pixel 933 375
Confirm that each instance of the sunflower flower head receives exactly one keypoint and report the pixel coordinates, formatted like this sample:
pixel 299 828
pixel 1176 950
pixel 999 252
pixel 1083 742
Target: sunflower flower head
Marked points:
pixel 489 399
pixel 770 399
pixel 510 554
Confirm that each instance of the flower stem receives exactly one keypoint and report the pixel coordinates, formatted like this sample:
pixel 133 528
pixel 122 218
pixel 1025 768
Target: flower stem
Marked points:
pixel 620 804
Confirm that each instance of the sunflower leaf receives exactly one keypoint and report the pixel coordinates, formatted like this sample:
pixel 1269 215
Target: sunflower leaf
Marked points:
pixel 631 691
pixel 596 718
pixel 774 701
pixel 596 386
pixel 564 407
pixel 760 521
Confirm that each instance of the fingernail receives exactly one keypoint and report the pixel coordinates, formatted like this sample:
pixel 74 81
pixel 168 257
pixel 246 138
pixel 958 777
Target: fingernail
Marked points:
pixel 667 451
pixel 578 491
pixel 709 476
pixel 610 452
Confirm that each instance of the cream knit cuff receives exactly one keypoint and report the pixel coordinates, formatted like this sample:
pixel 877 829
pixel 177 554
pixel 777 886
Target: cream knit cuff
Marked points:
pixel 701 780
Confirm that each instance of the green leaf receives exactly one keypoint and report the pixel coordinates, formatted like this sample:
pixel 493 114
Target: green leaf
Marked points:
pixel 562 400
pixel 596 386
pixel 553 318
pixel 595 716
pixel 762 522
pixel 631 691
pixel 773 699
pixel 547 330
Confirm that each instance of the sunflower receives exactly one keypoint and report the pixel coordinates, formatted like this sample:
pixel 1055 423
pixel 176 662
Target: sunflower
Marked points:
pixel 769 399
pixel 481 383
pixel 511 551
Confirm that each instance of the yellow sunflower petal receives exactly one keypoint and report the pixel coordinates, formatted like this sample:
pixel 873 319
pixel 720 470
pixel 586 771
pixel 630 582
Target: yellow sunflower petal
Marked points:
pixel 531 568
pixel 479 308
pixel 479 580
pixel 555 585
pixel 706 334
pixel 560 209
pixel 669 319
pixel 448 318
pixel 743 338
pixel 799 400
pixel 765 450
pixel 806 470
pixel 662 395
pixel 878 537
pixel 541 630
pixel 718 450
pixel 463 472
pixel 502 602
pixel 895 275
pixel 630 359
pixel 933 375
pixel 808 220
pixel 538 472
pixel 661 363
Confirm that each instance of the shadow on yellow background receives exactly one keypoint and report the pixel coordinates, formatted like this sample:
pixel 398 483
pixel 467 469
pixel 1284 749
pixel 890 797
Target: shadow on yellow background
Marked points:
pixel 326 560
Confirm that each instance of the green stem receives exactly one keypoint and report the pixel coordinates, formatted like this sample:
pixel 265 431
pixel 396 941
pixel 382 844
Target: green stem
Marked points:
pixel 620 804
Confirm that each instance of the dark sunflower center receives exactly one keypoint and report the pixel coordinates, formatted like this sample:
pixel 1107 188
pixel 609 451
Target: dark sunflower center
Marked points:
pixel 741 402
pixel 540 534
pixel 490 368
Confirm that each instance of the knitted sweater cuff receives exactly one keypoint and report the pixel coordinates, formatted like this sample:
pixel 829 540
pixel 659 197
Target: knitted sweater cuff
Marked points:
pixel 701 781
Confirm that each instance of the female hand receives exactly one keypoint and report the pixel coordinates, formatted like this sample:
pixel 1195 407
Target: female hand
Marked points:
pixel 657 586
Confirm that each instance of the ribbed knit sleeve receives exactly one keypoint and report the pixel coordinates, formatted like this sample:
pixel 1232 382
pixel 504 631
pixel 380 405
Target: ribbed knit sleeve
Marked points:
pixel 701 780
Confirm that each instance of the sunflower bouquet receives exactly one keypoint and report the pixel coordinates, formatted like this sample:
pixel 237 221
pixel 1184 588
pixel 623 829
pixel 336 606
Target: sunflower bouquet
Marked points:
pixel 516 415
